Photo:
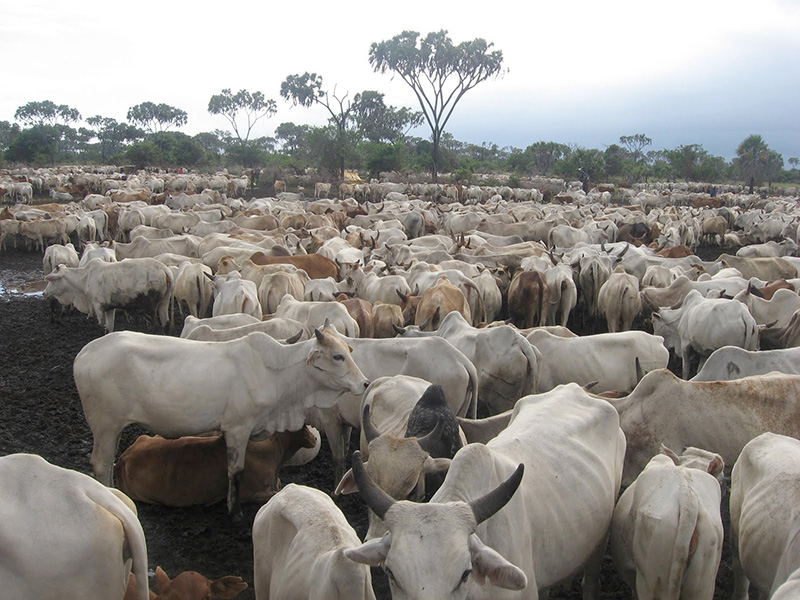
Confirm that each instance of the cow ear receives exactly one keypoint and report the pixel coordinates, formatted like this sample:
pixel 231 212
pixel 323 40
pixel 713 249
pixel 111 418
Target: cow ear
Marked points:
pixel 312 356
pixel 371 553
pixel 667 452
pixel 716 466
pixel 162 580
pixel 347 485
pixel 488 564
pixel 227 587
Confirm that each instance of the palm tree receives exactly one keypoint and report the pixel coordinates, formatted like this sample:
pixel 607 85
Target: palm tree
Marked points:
pixel 753 159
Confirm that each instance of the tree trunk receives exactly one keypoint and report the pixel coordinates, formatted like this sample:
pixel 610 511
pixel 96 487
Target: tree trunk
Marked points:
pixel 435 169
pixel 752 183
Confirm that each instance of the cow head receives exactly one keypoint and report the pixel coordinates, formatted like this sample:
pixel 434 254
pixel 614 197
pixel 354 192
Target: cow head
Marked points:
pixel 431 550
pixel 397 465
pixel 191 585
pixel 332 364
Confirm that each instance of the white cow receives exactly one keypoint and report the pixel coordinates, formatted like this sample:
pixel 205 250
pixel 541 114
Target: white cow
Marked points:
pixel 765 529
pixel 275 286
pixel 703 325
pixel 555 524
pixel 314 314
pixel 174 387
pixel 59 255
pixel 100 288
pixel 720 416
pixel 279 328
pixel 776 311
pixel 299 541
pixel 506 362
pixel 92 251
pixel 232 294
pixel 619 301
pixel 194 289
pixel 222 322
pixel 64 536
pixel 731 362
pixel 666 532
pixel 607 358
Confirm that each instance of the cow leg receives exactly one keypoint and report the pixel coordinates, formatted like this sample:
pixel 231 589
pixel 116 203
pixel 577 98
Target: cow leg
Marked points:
pixel 338 434
pixel 741 584
pixel 104 446
pixel 591 571
pixel 109 316
pixel 236 445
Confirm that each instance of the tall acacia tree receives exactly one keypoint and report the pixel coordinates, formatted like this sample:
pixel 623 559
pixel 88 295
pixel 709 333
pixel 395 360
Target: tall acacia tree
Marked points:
pixel 306 90
pixel 253 106
pixel 438 72
pixel 157 118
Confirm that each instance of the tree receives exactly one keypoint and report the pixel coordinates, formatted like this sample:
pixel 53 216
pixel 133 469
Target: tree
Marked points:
pixel 793 161
pixel 380 123
pixel 253 106
pixel 586 164
pixel 292 137
pixel 112 135
pixel 306 90
pixel 9 131
pixel 753 157
pixel 157 118
pixel 635 144
pixel 46 113
pixel 690 162
pixel 438 72
pixel 36 145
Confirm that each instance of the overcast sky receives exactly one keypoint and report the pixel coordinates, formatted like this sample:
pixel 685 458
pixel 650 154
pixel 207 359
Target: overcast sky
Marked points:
pixel 582 72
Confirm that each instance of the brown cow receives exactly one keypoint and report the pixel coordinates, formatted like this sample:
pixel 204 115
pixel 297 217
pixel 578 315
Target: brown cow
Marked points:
pixel 528 299
pixel 316 265
pixel 189 585
pixel 769 290
pixel 192 470
pixel 675 252
pixel 361 311
pixel 438 301
pixel 383 317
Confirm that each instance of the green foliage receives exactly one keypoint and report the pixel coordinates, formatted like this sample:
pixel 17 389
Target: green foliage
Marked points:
pixel 37 145
pixel 380 123
pixel 144 154
pixel 635 144
pixel 756 162
pixel 252 106
pixel 9 131
pixel 586 164
pixel 381 156
pixel 157 118
pixel 46 113
pixel 112 135
pixel 438 71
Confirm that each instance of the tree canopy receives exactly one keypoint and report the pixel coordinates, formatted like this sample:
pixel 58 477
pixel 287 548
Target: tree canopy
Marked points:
pixel 253 107
pixel 438 71
pixel 46 112
pixel 156 118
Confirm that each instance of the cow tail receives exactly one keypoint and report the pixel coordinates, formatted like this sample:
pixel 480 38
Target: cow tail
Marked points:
pixel 171 296
pixel 542 304
pixel 531 367
pixel 200 295
pixel 134 536
pixel 471 400
pixel 686 538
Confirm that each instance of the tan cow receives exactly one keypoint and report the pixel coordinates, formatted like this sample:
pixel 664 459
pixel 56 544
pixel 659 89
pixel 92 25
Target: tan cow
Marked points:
pixel 191 470
pixel 189 585
pixel 438 301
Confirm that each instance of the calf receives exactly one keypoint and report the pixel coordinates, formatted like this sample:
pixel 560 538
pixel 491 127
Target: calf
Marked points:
pixel 191 470
pixel 189 585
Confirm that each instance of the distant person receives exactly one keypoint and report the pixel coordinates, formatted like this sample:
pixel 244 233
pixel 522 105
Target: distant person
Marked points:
pixel 714 192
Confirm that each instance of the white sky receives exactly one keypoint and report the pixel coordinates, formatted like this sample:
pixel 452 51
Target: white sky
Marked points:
pixel 585 72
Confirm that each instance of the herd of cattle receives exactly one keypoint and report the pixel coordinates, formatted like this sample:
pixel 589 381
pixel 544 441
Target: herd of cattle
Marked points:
pixel 400 314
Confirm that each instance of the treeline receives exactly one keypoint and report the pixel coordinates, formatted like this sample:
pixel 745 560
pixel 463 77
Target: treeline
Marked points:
pixel 363 133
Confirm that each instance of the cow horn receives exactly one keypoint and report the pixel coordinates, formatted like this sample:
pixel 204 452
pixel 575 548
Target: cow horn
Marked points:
pixel 370 431
pixel 374 497
pixel 624 250
pixel 294 338
pixel 429 442
pixel 319 336
pixel 754 290
pixel 402 296
pixel 639 370
pixel 588 387
pixel 603 247
pixel 485 506
pixel 425 324
pixel 398 330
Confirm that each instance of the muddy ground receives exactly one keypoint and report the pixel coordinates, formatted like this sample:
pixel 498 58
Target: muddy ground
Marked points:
pixel 40 412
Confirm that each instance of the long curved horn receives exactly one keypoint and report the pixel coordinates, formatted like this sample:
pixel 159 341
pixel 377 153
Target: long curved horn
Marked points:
pixel 485 506
pixel 378 500
pixel 429 442
pixel 294 338
pixel 398 330
pixel 624 250
pixel 370 431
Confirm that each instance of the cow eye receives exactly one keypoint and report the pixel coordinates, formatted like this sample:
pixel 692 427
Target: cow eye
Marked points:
pixel 465 575
pixel 338 357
